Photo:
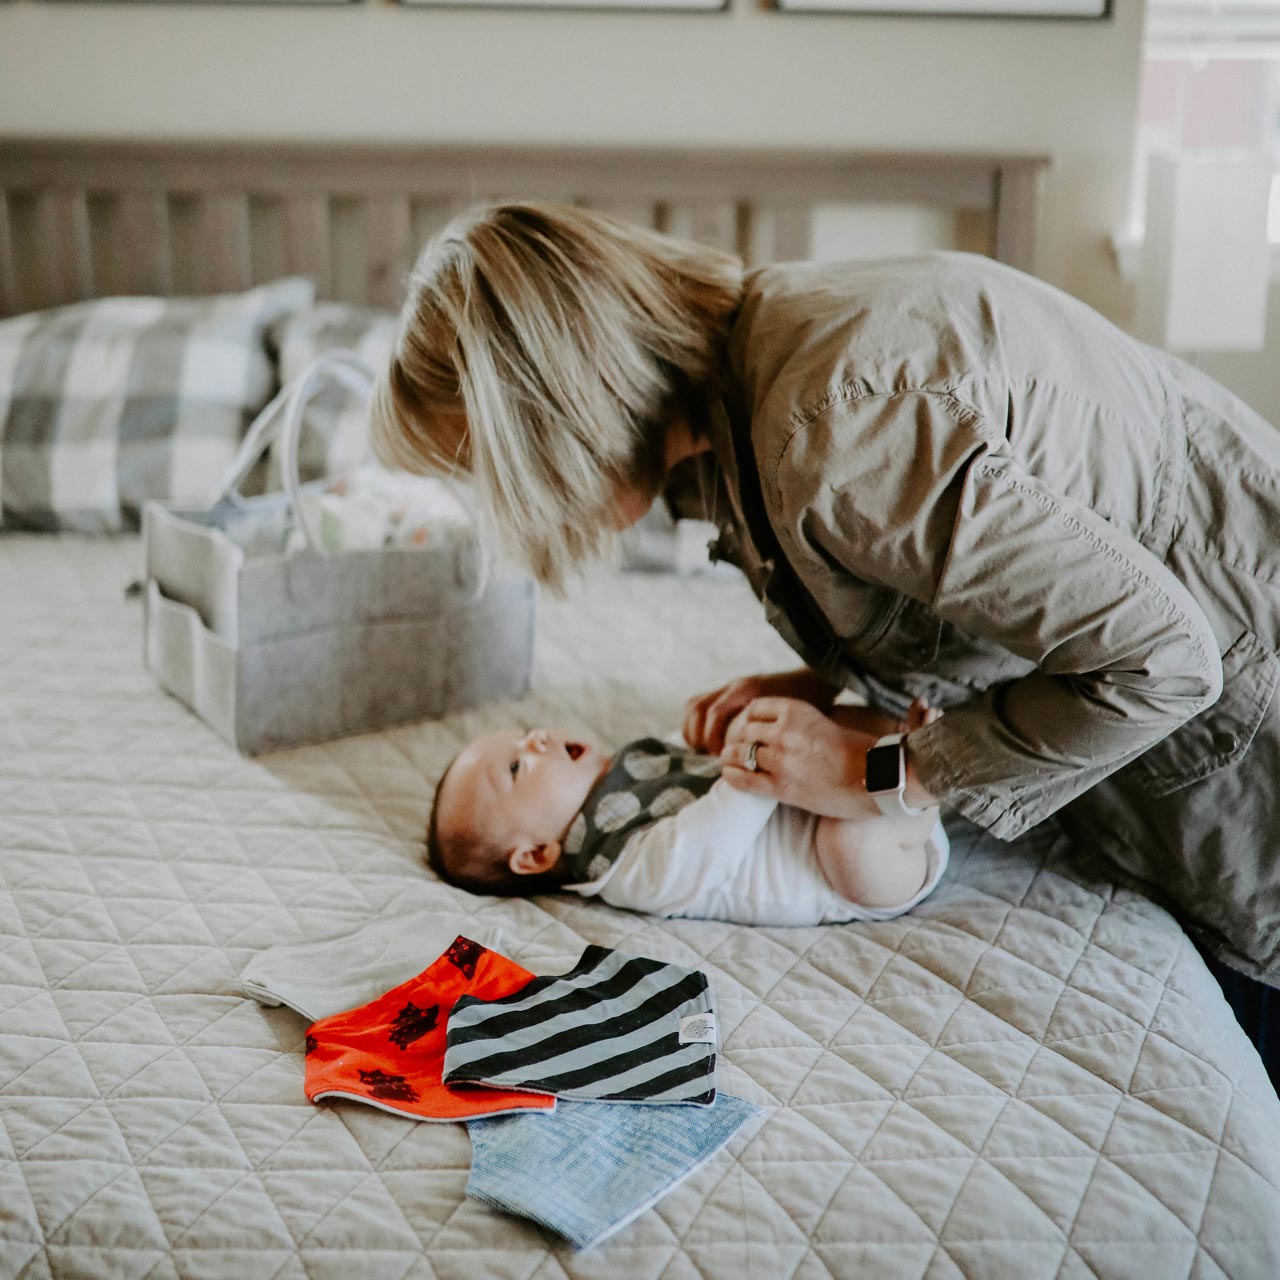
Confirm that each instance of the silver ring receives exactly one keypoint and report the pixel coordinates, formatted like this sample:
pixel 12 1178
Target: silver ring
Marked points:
pixel 751 764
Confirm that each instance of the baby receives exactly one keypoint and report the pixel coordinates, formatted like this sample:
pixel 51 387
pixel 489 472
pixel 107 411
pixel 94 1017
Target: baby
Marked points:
pixel 656 829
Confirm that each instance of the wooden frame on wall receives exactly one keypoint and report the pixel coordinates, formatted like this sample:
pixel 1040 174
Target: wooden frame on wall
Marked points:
pixel 1057 9
pixel 619 6
pixel 239 4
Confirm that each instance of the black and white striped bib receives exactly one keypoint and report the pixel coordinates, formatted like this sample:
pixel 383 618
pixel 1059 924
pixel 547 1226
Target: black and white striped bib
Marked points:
pixel 645 781
pixel 616 1028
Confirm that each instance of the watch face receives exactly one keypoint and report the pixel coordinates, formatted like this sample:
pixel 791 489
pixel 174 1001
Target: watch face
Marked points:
pixel 884 768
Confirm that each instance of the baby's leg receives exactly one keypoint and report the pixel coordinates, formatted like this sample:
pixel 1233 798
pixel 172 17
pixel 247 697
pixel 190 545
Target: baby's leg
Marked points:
pixel 875 862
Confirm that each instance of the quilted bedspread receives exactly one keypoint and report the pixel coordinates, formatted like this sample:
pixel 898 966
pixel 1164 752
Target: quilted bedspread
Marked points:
pixel 1032 1075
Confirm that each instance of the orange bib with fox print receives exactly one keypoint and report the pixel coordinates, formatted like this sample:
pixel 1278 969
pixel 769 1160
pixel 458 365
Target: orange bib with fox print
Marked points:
pixel 389 1053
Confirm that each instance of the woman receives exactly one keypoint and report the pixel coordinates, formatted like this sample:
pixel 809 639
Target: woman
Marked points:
pixel 944 478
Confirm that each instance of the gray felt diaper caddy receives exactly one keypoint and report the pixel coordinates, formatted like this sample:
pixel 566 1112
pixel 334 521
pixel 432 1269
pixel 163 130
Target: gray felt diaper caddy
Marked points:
pixel 275 649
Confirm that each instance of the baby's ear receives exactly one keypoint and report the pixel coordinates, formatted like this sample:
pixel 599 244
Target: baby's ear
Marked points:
pixel 533 860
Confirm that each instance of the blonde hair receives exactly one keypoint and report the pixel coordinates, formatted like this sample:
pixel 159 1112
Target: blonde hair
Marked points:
pixel 544 349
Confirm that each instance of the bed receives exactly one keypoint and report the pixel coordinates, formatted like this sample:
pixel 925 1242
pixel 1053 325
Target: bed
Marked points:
pixel 1032 1075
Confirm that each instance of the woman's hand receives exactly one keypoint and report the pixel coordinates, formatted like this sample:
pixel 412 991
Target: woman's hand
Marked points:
pixel 807 759
pixel 707 717
pixel 803 758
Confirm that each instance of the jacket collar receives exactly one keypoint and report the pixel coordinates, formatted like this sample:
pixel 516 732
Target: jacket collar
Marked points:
pixel 792 610
pixel 738 487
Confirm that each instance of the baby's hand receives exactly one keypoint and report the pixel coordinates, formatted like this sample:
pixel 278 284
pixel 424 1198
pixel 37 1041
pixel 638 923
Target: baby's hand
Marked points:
pixel 736 717
pixel 920 713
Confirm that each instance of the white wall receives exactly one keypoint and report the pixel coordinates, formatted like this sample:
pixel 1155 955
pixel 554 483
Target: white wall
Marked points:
pixel 377 71
pixel 1254 375
pixel 751 75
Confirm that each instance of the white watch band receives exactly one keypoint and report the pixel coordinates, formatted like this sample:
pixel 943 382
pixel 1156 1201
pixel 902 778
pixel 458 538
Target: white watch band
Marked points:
pixel 892 801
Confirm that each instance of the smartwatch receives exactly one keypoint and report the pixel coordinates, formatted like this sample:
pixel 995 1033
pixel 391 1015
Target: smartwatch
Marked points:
pixel 887 776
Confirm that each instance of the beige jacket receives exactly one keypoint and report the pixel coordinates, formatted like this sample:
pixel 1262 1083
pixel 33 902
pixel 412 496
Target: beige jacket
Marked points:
pixel 945 477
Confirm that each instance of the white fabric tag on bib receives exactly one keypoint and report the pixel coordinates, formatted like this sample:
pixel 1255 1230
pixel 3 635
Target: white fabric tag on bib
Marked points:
pixel 698 1028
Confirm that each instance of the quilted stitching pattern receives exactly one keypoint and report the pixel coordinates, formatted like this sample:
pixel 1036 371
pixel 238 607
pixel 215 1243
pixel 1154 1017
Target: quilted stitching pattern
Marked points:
pixel 1031 1076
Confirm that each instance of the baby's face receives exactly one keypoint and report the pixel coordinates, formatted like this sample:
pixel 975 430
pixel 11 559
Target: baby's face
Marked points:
pixel 517 789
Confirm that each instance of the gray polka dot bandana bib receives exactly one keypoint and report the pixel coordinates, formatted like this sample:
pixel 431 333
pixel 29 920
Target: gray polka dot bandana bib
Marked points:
pixel 647 780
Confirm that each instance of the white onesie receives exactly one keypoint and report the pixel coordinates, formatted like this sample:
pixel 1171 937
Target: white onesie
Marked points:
pixel 731 855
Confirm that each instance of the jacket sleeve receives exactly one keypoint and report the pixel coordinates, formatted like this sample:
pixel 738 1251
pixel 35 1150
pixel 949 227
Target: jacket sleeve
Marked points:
pixel 668 867
pixel 917 495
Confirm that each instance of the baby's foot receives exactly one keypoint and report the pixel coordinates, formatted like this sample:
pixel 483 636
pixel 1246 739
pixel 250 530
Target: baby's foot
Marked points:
pixel 920 713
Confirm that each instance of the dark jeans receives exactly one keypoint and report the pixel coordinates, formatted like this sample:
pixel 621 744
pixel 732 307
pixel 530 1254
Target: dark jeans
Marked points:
pixel 1257 1009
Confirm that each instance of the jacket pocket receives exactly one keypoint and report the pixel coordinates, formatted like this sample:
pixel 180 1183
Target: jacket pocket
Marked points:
pixel 1221 735
pixel 903 642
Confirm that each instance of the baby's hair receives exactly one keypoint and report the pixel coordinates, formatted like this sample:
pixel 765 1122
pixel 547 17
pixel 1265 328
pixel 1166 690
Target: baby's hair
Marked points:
pixel 468 863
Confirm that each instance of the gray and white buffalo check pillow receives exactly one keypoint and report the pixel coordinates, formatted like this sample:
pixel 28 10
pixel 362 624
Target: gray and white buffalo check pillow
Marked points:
pixel 335 423
pixel 105 404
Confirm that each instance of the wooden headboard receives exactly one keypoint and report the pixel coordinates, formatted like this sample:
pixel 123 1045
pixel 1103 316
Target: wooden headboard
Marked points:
pixel 82 219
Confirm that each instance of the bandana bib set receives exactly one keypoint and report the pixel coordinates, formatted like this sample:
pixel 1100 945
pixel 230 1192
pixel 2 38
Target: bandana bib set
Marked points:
pixel 646 781
pixel 607 1070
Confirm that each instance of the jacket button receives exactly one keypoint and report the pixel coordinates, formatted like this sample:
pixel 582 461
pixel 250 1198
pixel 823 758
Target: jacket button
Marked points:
pixel 1225 742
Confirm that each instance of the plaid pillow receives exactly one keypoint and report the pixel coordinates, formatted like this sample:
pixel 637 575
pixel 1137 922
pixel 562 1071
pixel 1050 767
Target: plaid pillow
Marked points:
pixel 335 424
pixel 106 404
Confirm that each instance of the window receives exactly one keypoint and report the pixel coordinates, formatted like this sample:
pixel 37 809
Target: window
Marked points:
pixel 1208 26
pixel 1210 82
